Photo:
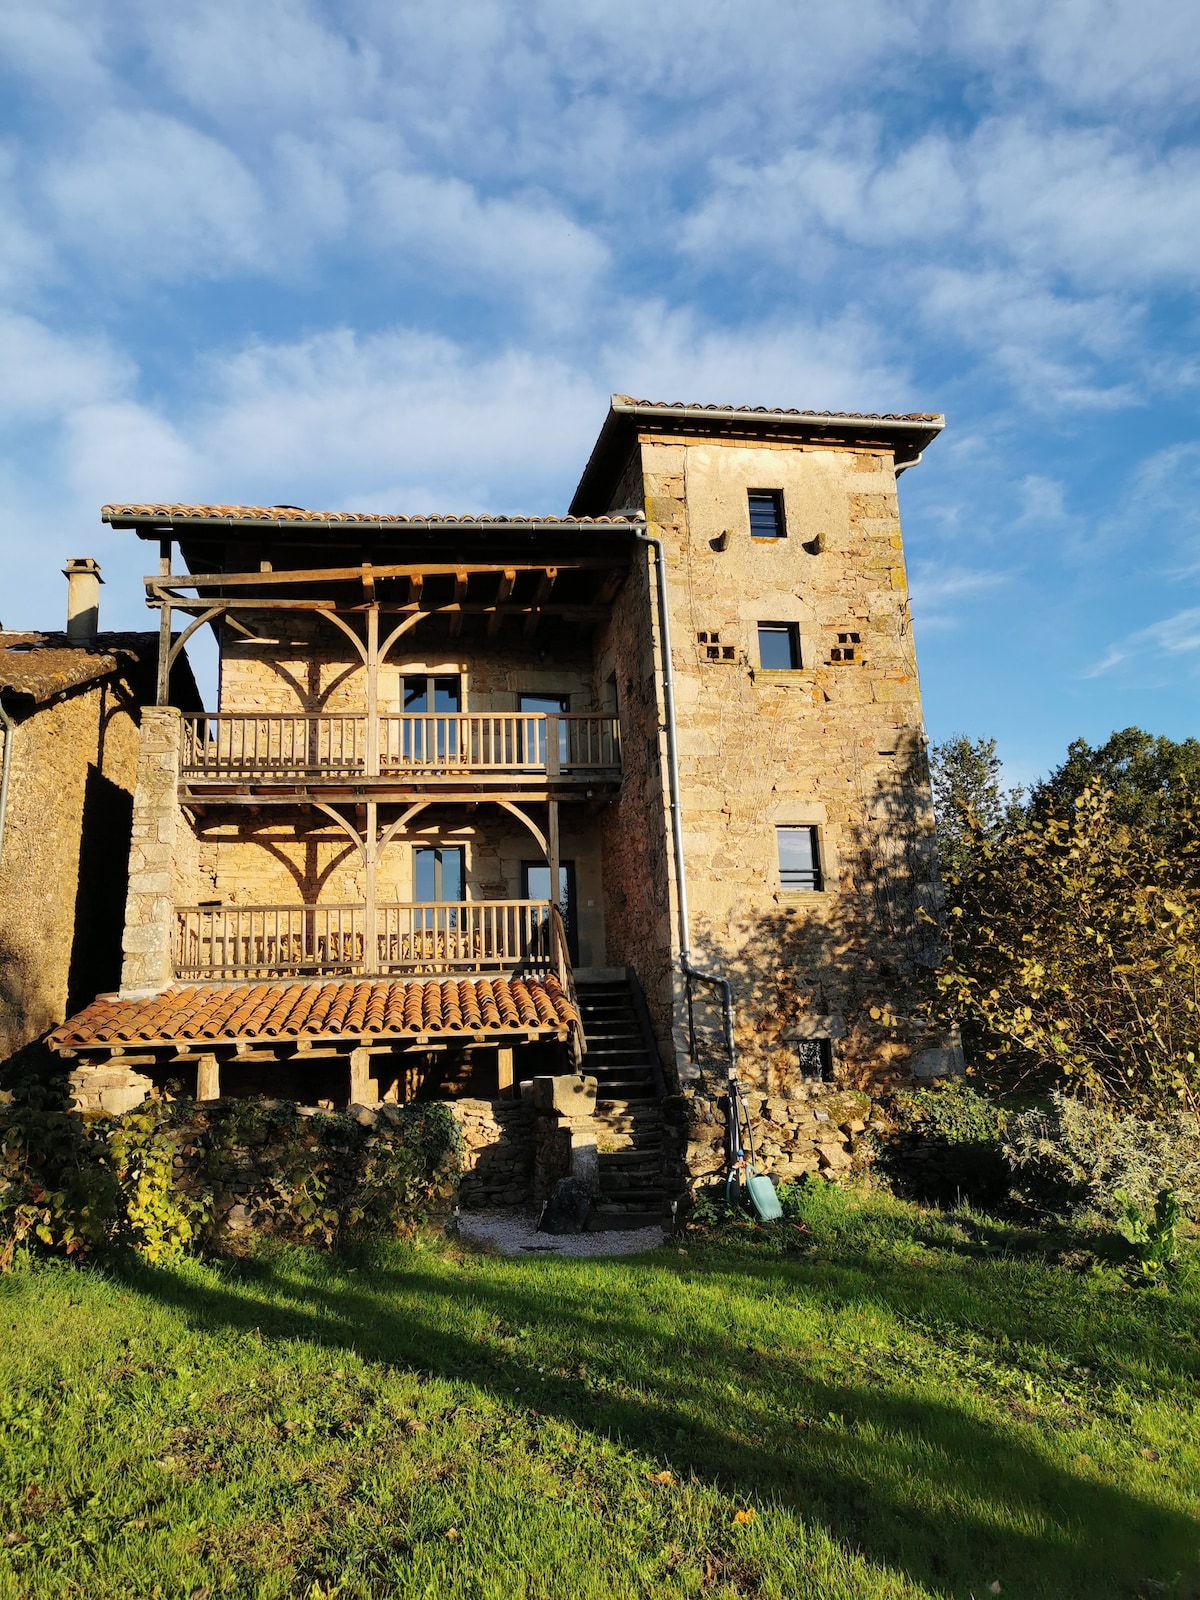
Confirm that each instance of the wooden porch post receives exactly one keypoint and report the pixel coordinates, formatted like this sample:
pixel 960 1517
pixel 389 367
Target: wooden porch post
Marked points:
pixel 370 861
pixel 363 1090
pixel 208 1078
pixel 163 694
pixel 552 851
pixel 504 1065
pixel 373 691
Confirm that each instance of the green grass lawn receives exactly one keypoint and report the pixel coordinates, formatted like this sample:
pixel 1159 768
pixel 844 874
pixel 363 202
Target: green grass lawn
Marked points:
pixel 896 1404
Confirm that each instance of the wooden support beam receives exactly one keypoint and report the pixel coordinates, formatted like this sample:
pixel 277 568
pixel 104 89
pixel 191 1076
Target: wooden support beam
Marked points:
pixel 504 1071
pixel 545 586
pixel 505 587
pixel 208 1078
pixel 456 622
pixel 416 583
pixel 363 1089
pixel 412 570
pixel 460 586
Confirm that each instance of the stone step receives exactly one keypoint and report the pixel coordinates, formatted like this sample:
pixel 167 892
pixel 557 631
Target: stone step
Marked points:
pixel 604 1221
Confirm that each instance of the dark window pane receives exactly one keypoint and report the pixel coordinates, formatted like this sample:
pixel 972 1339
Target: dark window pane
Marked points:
pixel 766 514
pixel 416 694
pixel 447 694
pixel 438 873
pixel 816 1058
pixel 778 646
pixel 799 861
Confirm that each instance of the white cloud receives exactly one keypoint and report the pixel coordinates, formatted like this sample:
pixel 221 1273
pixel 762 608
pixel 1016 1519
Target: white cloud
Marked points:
pixel 942 595
pixel 147 194
pixel 1157 654
pixel 524 246
pixel 49 374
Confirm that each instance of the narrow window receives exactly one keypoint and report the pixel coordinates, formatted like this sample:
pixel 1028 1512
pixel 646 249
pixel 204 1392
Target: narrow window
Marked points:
pixel 799 858
pixel 766 514
pixel 778 646
pixel 816 1058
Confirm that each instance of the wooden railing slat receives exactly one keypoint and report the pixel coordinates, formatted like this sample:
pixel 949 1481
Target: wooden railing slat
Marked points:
pixel 416 936
pixel 226 742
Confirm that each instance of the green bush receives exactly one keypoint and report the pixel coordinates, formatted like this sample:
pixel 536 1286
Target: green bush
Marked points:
pixel 1071 1157
pixel 945 1144
pixel 161 1180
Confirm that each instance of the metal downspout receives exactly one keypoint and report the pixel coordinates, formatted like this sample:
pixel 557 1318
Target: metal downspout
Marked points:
pixel 10 729
pixel 685 942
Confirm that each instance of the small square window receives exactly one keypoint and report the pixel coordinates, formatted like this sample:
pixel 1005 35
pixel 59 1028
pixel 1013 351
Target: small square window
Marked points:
pixel 778 646
pixel 799 859
pixel 766 514
pixel 816 1058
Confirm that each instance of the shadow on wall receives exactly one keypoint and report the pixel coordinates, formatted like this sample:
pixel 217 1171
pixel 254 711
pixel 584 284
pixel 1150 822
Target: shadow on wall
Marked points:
pixel 106 828
pixel 857 966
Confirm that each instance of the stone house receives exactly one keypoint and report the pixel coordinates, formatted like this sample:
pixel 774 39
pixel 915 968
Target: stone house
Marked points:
pixel 70 713
pixel 641 788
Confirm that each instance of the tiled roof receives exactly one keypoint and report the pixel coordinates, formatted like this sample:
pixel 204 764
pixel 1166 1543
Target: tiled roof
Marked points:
pixel 214 1012
pixel 282 514
pixel 779 411
pixel 42 665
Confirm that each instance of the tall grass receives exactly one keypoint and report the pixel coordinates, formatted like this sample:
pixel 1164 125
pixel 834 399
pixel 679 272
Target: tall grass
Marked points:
pixel 888 1404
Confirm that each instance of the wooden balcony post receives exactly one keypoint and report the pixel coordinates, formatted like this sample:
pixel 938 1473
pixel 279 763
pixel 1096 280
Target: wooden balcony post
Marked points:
pixel 373 692
pixel 370 860
pixel 553 762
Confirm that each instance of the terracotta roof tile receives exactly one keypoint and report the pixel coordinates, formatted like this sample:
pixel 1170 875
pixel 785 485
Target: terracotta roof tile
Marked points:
pixel 172 513
pixel 42 665
pixel 213 1012
pixel 779 411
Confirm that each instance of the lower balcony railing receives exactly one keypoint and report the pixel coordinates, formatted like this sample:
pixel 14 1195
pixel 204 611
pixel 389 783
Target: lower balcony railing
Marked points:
pixel 332 940
pixel 228 744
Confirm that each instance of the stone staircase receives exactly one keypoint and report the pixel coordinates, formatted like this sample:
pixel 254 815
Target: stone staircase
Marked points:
pixel 621 1053
pixel 629 1142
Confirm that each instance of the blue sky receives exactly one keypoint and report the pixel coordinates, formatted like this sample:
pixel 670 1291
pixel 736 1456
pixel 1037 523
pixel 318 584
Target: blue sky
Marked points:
pixel 395 255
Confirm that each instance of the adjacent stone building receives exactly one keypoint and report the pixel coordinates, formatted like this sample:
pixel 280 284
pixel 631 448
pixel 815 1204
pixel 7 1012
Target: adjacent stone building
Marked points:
pixel 70 712
pixel 641 789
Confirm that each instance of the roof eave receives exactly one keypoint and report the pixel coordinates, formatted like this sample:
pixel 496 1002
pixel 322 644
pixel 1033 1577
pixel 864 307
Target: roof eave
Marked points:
pixel 908 436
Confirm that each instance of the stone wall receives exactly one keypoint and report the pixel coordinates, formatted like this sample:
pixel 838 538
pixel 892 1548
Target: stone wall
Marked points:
pixel 813 1128
pixel 837 744
pixel 62 870
pixel 498 1160
pixel 157 873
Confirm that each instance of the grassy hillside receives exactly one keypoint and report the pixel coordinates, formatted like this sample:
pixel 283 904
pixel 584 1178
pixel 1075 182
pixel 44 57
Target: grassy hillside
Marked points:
pixel 890 1404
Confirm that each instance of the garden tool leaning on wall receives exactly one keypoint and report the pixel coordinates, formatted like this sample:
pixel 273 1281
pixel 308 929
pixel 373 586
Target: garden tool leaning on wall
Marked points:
pixel 759 1189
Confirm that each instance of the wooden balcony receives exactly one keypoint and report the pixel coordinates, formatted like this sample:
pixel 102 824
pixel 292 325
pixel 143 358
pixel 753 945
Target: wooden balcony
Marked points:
pixel 428 752
pixel 465 936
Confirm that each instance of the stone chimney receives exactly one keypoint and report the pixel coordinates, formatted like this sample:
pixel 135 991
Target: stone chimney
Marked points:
pixel 83 597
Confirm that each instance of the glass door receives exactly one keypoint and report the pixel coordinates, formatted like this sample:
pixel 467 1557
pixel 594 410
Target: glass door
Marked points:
pixel 535 885
pixel 431 736
pixel 551 705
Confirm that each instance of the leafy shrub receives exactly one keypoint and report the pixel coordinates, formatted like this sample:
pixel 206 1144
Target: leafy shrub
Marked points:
pixel 945 1145
pixel 1153 1238
pixel 161 1180
pixel 1075 1157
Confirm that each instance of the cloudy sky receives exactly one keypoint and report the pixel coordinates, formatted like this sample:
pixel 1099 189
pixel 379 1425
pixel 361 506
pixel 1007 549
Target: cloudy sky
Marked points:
pixel 395 255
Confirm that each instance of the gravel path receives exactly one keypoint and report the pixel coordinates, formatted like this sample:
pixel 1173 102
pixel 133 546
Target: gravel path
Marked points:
pixel 516 1235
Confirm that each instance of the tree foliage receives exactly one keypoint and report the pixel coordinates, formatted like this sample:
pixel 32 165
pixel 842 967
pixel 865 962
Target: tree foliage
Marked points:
pixel 970 801
pixel 1075 952
pixel 1145 776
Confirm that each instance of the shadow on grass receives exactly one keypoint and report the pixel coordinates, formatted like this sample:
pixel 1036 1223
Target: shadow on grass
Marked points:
pixel 924 1486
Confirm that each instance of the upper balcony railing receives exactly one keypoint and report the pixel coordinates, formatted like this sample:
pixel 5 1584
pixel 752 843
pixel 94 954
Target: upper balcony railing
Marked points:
pixel 303 746
pixel 338 940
